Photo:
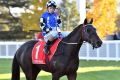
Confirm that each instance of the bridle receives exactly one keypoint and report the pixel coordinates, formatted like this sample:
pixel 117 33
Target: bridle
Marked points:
pixel 85 32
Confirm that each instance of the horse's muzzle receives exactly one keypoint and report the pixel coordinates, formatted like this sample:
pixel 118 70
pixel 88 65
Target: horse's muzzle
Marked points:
pixel 97 44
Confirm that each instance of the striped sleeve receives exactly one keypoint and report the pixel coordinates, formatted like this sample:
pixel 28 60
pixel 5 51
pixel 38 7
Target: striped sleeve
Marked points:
pixel 42 23
pixel 59 22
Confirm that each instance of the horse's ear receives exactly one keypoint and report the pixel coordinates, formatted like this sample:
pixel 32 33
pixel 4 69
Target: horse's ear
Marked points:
pixel 85 21
pixel 91 21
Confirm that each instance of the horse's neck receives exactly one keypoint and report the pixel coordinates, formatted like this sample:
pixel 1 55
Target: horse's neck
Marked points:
pixel 74 37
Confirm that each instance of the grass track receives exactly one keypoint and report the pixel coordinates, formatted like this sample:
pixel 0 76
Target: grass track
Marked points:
pixel 88 70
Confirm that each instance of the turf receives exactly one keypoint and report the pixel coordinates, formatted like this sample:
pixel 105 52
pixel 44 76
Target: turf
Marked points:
pixel 88 70
pixel 5 65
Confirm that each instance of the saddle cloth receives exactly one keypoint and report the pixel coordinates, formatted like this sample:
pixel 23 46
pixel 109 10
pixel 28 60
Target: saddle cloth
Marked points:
pixel 38 54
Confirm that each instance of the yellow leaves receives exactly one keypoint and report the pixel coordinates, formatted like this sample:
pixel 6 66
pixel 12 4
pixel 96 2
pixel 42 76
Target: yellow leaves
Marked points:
pixel 89 14
pixel 105 15
pixel 31 21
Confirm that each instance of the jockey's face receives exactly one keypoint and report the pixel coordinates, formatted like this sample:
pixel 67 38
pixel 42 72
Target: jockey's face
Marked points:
pixel 51 9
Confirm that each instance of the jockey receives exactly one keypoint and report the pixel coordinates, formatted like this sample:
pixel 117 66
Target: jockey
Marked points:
pixel 50 24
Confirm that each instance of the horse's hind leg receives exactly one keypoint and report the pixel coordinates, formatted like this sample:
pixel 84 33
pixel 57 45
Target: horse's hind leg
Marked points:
pixel 56 76
pixel 31 74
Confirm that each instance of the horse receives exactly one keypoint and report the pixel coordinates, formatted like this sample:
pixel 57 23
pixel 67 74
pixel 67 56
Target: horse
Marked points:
pixel 64 62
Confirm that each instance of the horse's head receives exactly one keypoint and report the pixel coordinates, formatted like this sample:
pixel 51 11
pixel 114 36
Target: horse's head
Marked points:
pixel 89 34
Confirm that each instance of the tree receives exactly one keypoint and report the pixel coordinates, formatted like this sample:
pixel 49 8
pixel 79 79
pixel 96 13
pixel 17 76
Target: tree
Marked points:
pixel 11 26
pixel 15 3
pixel 104 14
pixel 70 15
pixel 31 20
pixel 7 21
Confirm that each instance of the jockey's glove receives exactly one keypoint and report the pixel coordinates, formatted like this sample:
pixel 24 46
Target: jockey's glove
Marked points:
pixel 59 34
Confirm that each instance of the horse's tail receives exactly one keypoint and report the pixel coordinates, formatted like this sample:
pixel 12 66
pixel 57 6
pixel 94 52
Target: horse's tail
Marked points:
pixel 15 69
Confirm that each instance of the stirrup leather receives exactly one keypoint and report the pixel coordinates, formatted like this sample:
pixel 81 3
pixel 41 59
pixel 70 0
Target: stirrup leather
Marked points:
pixel 46 49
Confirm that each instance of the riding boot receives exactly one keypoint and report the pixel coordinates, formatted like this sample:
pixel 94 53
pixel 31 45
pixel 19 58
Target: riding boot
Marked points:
pixel 47 47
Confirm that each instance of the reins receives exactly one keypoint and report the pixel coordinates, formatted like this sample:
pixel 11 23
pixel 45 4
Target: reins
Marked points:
pixel 68 43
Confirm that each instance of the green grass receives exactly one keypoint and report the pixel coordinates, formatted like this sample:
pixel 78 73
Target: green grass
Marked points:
pixel 88 70
pixel 5 65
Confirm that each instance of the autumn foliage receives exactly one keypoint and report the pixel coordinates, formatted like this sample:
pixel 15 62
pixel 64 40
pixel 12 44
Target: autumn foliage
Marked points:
pixel 104 13
pixel 31 20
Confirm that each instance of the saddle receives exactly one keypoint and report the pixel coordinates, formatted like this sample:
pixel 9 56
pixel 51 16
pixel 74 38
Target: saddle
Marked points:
pixel 38 54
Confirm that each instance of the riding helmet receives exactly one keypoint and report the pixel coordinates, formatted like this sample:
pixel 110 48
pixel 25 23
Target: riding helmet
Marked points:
pixel 51 3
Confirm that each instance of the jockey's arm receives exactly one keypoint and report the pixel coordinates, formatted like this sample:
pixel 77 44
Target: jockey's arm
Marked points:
pixel 59 22
pixel 43 25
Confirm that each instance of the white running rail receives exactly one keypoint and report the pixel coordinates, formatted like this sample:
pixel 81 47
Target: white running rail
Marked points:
pixel 110 50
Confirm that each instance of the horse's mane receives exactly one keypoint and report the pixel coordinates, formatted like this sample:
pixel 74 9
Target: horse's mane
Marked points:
pixel 73 32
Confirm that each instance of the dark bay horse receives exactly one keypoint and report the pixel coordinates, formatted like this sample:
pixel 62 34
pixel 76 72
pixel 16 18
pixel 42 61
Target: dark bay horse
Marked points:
pixel 64 62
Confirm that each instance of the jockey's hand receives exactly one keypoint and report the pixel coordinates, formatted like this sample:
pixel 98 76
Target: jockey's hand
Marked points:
pixel 59 34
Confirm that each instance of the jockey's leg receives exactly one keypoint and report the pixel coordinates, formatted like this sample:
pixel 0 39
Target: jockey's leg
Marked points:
pixel 49 38
pixel 47 47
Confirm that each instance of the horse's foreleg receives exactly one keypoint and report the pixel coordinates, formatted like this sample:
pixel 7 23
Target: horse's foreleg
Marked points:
pixel 56 76
pixel 72 76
